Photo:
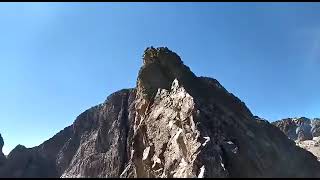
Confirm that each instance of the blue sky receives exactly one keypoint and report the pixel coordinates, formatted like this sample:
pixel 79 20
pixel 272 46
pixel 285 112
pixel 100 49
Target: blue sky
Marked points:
pixel 59 59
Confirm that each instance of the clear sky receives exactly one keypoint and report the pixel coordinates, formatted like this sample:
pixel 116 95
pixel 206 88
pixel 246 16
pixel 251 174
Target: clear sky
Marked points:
pixel 59 59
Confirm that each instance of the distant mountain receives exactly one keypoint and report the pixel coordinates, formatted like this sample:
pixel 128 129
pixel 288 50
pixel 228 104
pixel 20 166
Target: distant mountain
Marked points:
pixel 299 128
pixel 304 131
pixel 172 124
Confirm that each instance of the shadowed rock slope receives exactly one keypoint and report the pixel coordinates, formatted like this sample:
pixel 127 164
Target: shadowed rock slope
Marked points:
pixel 172 124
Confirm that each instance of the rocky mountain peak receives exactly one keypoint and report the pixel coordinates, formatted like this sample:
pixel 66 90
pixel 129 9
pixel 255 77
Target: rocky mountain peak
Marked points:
pixel 173 124
pixel 160 67
pixel 152 54
pixel 189 126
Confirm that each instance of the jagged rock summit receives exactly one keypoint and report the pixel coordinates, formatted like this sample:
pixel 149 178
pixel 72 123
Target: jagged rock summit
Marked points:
pixel 172 124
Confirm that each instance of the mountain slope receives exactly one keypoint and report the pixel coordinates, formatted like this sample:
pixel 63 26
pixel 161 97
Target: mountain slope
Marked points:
pixel 172 124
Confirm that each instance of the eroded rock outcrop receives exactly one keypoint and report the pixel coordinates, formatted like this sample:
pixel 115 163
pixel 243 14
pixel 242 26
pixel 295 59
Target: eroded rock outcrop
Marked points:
pixel 173 124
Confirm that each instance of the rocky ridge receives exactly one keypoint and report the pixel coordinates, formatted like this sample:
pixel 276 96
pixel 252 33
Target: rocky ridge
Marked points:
pixel 172 124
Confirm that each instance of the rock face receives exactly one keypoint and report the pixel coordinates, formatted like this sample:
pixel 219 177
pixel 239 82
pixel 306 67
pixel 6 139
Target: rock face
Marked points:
pixel 299 128
pixel 173 124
